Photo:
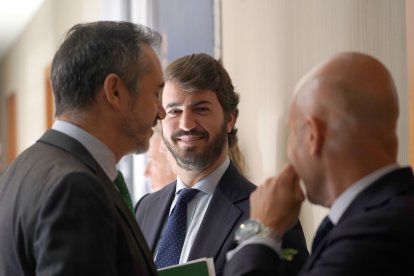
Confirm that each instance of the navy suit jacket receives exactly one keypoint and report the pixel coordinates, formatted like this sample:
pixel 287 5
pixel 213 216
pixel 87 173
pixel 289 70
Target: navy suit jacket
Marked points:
pixel 228 207
pixel 375 236
pixel 61 215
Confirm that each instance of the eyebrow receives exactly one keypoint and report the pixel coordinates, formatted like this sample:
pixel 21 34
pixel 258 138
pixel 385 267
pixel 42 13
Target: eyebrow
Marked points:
pixel 171 105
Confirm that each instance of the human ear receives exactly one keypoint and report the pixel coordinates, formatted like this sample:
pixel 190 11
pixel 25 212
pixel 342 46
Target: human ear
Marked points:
pixel 231 121
pixel 316 134
pixel 113 87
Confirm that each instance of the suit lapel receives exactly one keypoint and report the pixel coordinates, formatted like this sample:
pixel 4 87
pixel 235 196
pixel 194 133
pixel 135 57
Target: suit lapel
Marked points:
pixel 379 192
pixel 216 226
pixel 127 216
pixel 72 146
pixel 154 218
pixel 221 215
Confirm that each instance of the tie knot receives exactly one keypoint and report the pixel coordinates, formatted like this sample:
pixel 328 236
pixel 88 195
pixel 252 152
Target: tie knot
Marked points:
pixel 186 195
pixel 326 224
pixel 123 190
pixel 324 228
pixel 119 180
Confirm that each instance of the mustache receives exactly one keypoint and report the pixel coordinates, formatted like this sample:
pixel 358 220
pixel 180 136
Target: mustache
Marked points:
pixel 194 132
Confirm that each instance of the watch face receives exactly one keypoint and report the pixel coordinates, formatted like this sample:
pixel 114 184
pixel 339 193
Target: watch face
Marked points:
pixel 247 229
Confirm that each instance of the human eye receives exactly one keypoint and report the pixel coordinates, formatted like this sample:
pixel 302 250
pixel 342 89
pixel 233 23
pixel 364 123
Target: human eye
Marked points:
pixel 202 109
pixel 173 112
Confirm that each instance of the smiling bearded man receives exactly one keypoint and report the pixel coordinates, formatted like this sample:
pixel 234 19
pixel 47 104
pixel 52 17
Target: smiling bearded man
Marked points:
pixel 196 215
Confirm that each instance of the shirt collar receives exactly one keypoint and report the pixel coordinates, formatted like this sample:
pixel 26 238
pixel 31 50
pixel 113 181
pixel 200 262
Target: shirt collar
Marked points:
pixel 209 183
pixel 346 198
pixel 99 151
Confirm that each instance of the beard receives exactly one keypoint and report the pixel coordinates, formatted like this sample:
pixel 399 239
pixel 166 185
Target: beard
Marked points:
pixel 137 132
pixel 141 142
pixel 188 158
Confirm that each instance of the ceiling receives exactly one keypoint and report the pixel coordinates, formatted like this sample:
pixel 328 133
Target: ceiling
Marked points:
pixel 14 17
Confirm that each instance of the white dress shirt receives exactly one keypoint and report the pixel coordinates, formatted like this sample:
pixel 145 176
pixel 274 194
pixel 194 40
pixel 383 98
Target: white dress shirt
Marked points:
pixel 197 207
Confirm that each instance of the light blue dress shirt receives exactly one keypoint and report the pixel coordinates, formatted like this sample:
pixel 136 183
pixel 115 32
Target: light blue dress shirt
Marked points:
pixel 99 151
pixel 345 199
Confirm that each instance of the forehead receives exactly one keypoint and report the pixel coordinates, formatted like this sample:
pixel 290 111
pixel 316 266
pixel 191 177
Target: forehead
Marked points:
pixel 174 94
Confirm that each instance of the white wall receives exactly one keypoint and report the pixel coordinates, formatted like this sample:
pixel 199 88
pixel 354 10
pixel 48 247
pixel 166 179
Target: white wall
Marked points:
pixel 269 44
pixel 22 70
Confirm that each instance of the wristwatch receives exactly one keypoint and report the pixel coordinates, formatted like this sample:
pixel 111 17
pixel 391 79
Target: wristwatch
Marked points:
pixel 252 227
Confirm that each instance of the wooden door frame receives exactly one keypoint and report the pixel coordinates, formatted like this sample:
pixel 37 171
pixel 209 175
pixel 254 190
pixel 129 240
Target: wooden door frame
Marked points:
pixel 409 10
pixel 49 98
pixel 11 106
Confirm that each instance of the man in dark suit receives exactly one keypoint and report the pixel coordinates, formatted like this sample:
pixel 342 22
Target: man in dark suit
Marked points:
pixel 60 211
pixel 343 145
pixel 198 130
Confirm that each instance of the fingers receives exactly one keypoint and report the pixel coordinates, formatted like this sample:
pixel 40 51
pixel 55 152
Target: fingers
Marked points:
pixel 277 202
pixel 291 181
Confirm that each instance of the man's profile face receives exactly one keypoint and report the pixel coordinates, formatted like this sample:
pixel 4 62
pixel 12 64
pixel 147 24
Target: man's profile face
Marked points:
pixel 144 106
pixel 306 164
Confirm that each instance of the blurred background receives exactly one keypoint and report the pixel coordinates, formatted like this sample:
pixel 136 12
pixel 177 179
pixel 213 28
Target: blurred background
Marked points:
pixel 266 46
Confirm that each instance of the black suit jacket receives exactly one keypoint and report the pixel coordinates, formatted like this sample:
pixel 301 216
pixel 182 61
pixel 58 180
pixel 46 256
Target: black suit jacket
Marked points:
pixel 373 237
pixel 61 215
pixel 228 207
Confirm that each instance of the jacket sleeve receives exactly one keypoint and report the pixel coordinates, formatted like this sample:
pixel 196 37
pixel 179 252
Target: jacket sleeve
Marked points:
pixel 261 260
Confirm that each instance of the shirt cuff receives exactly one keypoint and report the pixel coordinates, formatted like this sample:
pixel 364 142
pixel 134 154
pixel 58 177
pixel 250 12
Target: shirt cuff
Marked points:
pixel 274 244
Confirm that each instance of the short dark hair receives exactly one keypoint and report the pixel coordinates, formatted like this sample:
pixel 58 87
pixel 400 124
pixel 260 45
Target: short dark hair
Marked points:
pixel 90 52
pixel 198 72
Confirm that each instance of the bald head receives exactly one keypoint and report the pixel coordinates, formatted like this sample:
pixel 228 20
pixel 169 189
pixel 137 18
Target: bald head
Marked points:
pixel 353 83
pixel 354 93
pixel 347 109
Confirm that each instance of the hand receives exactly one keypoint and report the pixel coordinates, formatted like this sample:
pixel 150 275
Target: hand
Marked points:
pixel 277 202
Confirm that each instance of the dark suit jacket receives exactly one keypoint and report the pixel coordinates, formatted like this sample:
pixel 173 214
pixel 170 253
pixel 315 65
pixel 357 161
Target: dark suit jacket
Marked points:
pixel 373 237
pixel 228 207
pixel 61 215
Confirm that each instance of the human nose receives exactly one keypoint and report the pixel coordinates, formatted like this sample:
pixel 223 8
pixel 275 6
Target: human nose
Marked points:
pixel 187 121
pixel 161 111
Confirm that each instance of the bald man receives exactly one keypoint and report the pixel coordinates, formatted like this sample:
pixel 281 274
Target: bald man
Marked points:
pixel 343 146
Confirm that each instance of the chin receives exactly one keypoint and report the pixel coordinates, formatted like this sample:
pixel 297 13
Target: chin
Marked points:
pixel 142 148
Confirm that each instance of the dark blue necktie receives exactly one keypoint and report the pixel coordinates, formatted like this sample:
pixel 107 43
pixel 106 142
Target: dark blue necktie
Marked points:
pixel 172 240
pixel 324 228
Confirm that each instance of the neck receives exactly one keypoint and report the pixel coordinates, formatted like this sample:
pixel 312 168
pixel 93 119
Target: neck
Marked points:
pixel 97 128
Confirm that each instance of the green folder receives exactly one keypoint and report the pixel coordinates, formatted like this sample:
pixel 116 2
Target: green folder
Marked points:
pixel 199 267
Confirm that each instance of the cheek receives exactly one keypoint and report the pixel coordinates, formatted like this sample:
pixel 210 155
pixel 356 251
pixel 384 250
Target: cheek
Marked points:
pixel 167 128
pixel 290 150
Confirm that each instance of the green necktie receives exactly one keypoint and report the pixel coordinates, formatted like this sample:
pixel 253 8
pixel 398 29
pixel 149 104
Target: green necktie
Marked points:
pixel 123 190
